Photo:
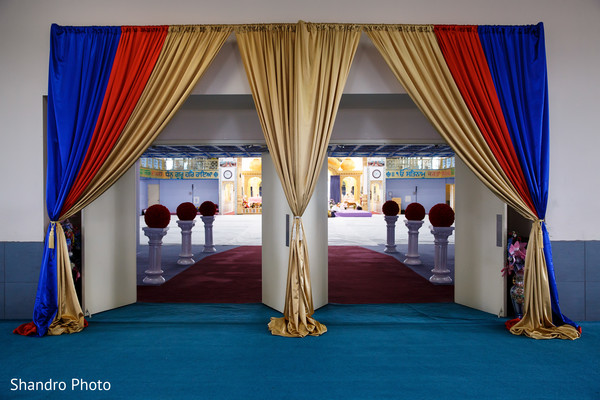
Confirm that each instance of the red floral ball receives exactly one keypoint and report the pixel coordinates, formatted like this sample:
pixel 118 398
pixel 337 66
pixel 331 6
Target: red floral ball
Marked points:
pixel 157 216
pixel 208 208
pixel 414 212
pixel 390 208
pixel 441 215
pixel 187 211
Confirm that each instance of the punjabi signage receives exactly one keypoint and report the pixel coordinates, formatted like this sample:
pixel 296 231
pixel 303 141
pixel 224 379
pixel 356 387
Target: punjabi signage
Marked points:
pixel 409 173
pixel 148 173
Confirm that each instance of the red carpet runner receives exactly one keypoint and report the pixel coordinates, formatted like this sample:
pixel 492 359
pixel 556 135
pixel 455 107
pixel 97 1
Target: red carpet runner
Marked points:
pixel 356 276
pixel 233 276
pixel 361 276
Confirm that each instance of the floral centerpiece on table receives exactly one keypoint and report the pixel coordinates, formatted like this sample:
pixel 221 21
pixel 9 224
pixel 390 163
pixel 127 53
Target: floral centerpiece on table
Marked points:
pixel 517 249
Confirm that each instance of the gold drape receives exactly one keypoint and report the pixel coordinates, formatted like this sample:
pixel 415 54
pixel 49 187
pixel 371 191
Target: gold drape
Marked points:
pixel 297 74
pixel 186 53
pixel 414 56
pixel 69 316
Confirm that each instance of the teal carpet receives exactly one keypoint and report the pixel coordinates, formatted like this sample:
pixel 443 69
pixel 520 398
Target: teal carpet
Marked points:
pixel 218 351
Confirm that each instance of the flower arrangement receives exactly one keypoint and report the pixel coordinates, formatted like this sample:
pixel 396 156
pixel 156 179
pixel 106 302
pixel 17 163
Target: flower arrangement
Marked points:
pixel 208 208
pixel 414 212
pixel 187 211
pixel 390 208
pixel 157 216
pixel 517 249
pixel 441 215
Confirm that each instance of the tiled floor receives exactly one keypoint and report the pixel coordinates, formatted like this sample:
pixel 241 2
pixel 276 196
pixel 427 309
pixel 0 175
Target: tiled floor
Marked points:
pixel 238 230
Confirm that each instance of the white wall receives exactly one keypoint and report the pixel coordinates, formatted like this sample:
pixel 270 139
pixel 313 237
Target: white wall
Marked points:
pixel 571 28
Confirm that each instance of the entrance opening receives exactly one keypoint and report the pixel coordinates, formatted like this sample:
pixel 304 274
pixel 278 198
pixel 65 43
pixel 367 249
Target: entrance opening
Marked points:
pixel 361 179
pixel 229 271
pixel 359 269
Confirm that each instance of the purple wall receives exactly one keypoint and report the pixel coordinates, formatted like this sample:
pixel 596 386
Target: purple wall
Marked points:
pixel 429 192
pixel 173 192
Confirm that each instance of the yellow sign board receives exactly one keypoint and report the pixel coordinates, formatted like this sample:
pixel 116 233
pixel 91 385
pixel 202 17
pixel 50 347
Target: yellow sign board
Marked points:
pixel 409 173
pixel 149 173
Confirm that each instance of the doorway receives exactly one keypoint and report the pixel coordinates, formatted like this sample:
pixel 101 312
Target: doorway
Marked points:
pixel 153 194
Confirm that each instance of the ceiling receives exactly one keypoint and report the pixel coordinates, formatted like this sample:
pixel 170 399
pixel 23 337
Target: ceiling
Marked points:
pixel 348 101
pixel 333 150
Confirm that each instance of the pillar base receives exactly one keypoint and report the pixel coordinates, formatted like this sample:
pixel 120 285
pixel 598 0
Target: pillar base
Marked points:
pixel 441 274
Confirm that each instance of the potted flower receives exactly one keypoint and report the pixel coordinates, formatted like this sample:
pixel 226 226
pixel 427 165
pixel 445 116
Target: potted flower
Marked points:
pixel 515 265
pixel 414 213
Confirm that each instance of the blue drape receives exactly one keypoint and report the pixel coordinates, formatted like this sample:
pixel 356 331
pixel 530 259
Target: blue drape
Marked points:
pixel 81 59
pixel 516 56
pixel 334 188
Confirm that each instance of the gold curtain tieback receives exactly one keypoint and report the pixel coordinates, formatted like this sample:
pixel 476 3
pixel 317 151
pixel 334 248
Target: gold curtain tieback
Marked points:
pixel 540 235
pixel 51 235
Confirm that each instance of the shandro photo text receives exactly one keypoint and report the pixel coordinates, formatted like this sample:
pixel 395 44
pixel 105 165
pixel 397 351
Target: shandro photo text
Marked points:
pixel 76 384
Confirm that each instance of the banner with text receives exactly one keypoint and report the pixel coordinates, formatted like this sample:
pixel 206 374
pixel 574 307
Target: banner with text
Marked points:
pixel 148 173
pixel 409 173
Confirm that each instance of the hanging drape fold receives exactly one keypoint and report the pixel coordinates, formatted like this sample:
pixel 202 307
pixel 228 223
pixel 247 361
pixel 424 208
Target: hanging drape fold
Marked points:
pixel 517 59
pixel 186 54
pixel 297 74
pixel 131 80
pixel 452 86
pixel 111 91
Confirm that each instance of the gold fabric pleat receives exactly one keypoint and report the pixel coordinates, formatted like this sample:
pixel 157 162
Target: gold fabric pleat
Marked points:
pixel 537 307
pixel 297 73
pixel 69 316
pixel 414 56
pixel 186 54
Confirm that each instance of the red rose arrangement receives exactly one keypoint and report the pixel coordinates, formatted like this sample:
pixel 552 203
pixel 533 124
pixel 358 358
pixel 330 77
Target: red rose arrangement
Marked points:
pixel 414 212
pixel 441 215
pixel 208 208
pixel 186 211
pixel 390 208
pixel 157 216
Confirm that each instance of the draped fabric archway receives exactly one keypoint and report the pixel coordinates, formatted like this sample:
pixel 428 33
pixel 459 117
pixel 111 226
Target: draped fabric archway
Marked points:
pixel 297 74
pixel 485 91
pixel 113 89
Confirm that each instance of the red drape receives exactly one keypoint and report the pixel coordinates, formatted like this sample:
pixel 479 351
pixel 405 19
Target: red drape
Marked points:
pixel 135 58
pixel 467 62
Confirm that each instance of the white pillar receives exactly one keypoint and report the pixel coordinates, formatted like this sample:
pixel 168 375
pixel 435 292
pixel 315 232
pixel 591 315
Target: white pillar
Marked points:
pixel 185 257
pixel 412 255
pixel 208 234
pixel 154 271
pixel 441 273
pixel 275 252
pixel 390 221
